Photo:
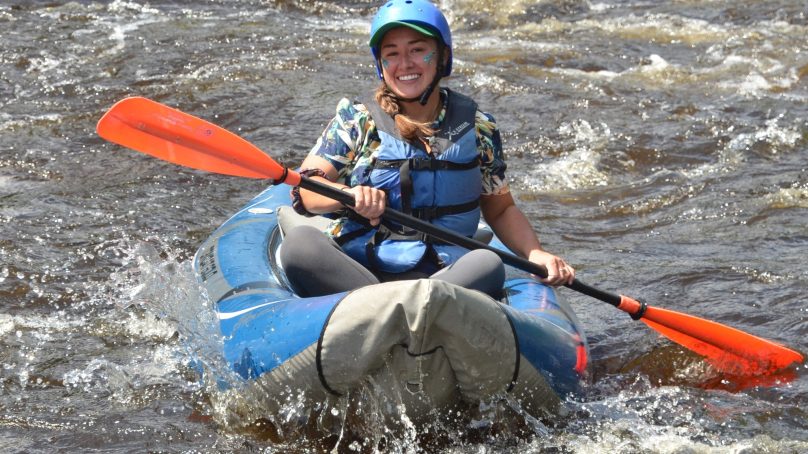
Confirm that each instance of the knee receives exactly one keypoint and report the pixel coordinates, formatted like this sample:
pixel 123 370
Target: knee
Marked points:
pixel 302 243
pixel 481 270
pixel 488 262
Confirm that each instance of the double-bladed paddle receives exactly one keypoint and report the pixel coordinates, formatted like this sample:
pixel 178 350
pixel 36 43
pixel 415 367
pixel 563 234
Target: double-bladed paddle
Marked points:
pixel 174 136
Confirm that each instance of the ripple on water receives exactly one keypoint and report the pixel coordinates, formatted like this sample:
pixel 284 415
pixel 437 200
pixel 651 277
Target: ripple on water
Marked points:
pixel 658 143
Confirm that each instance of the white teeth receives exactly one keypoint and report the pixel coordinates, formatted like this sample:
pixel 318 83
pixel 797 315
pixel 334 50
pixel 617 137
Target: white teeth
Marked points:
pixel 409 77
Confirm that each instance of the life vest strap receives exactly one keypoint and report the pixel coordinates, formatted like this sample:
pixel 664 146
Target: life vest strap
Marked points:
pixel 406 166
pixel 421 163
pixel 430 213
pixel 387 232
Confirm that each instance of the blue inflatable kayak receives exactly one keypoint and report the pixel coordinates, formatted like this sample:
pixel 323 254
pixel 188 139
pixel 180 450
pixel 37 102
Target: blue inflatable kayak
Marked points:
pixel 429 343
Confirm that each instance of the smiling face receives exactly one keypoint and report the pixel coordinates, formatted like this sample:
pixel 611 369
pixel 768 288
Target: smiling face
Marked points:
pixel 409 61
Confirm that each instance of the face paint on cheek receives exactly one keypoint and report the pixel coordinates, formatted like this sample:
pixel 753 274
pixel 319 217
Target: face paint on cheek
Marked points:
pixel 428 58
pixel 385 63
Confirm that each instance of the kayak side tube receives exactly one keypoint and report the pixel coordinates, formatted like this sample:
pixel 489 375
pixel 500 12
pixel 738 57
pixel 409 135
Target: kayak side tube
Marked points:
pixel 428 342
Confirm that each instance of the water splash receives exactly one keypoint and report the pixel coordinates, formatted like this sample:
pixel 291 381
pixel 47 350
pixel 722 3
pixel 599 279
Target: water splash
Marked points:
pixel 769 140
pixel 374 417
pixel 793 197
pixel 578 166
pixel 166 288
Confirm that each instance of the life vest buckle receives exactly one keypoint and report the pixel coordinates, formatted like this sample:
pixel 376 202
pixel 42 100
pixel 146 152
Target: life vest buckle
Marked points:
pixel 425 164
pixel 427 213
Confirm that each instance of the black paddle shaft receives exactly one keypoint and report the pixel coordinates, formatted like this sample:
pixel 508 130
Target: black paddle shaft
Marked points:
pixel 457 239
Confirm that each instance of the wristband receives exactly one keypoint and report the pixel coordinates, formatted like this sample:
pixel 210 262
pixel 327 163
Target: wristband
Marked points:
pixel 297 203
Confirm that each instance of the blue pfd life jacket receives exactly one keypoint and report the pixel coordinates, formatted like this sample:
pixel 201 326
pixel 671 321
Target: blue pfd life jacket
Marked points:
pixel 442 187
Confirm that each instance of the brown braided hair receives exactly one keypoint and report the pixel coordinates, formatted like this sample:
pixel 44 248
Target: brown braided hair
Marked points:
pixel 409 129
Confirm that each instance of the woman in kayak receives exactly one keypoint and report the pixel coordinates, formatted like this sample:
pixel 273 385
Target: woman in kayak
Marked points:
pixel 418 148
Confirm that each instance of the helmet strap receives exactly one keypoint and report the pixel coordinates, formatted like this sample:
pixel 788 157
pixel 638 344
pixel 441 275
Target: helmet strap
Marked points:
pixel 428 92
pixel 424 98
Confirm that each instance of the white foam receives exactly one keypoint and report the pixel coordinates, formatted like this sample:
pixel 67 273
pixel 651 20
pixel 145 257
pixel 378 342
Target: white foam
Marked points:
pixel 796 197
pixel 122 27
pixel 24 120
pixel 121 6
pixel 6 324
pixel 577 168
pixel 779 139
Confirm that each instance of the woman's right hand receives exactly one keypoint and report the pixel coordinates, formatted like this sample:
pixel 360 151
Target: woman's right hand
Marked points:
pixel 369 202
pixel 558 271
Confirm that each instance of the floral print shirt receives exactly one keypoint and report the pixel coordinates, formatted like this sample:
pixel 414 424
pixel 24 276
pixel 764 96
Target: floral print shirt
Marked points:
pixel 350 140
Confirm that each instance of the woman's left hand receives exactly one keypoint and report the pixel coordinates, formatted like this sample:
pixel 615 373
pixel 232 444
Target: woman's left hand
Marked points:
pixel 558 271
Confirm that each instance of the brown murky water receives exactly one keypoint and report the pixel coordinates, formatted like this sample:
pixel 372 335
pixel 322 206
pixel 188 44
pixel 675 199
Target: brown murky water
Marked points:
pixel 659 146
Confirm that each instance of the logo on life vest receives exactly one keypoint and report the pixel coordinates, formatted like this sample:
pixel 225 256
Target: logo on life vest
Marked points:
pixel 458 130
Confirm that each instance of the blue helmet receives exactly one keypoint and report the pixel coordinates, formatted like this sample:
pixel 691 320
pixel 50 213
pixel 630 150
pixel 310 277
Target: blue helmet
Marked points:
pixel 419 15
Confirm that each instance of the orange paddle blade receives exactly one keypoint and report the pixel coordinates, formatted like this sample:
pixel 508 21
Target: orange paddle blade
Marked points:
pixel 158 130
pixel 729 350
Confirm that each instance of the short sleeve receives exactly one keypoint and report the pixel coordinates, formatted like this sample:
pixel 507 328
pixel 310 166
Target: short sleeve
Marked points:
pixel 338 143
pixel 492 158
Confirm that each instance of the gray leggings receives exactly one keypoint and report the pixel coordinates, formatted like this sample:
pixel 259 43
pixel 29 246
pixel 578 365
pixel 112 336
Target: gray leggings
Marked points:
pixel 315 265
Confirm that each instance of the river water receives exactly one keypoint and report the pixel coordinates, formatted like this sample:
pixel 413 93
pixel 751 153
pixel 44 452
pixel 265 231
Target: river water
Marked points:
pixel 659 146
